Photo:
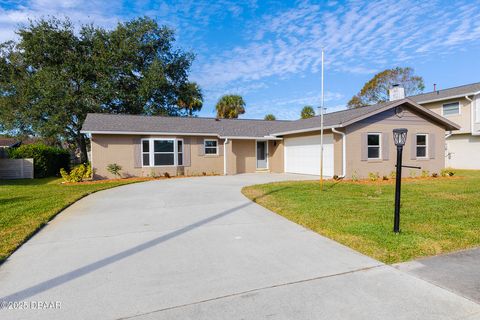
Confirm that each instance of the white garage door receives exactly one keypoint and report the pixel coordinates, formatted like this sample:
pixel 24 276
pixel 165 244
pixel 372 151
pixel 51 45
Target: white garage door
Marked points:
pixel 302 155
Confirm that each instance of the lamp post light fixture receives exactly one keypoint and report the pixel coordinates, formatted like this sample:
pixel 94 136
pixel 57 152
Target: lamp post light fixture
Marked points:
pixel 399 137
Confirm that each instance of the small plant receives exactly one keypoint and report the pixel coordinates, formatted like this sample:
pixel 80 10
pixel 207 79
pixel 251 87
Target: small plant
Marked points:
pixel 166 175
pixel 77 174
pixel 447 172
pixel 434 175
pixel 204 173
pixel 153 174
pixel 384 178
pixel 412 174
pixel 114 169
pixel 373 176
pixel 425 174
pixel 393 174
pixel 355 175
pixel 335 177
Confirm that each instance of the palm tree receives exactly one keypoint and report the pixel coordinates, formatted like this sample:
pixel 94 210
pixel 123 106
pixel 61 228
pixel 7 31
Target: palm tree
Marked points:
pixel 307 112
pixel 270 117
pixel 230 106
pixel 190 98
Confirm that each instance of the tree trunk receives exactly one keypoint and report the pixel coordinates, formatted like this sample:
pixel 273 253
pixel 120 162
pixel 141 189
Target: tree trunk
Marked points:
pixel 82 146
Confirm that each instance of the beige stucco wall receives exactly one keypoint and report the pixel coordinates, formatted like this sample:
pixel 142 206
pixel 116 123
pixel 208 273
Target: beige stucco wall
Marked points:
pixel 276 156
pixel 200 164
pixel 107 149
pixel 384 123
pixel 244 151
pixel 241 157
pixel 463 119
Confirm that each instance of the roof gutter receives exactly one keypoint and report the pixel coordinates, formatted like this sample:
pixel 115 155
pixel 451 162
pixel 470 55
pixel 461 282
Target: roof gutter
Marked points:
pixel 149 133
pixel 447 98
pixel 303 130
pixel 344 152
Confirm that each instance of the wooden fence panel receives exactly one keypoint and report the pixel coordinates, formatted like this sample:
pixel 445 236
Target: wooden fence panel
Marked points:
pixel 16 168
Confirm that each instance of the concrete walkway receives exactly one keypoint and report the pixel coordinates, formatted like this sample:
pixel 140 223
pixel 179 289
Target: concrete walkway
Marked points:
pixel 195 248
pixel 458 271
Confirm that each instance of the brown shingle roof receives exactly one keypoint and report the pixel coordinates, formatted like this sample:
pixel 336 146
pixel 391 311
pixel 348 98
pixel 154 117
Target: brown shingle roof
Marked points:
pixel 105 123
pixel 444 94
pixel 8 142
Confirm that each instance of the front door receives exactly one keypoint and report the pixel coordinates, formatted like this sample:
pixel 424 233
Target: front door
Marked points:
pixel 262 155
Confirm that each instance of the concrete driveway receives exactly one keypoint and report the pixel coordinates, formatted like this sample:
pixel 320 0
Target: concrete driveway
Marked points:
pixel 195 248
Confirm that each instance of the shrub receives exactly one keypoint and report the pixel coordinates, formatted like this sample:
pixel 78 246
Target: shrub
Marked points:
pixel 153 174
pixel 114 169
pixel 434 175
pixel 412 174
pixel 78 173
pixel 373 176
pixel 425 173
pixel 47 161
pixel 393 174
pixel 355 175
pixel 385 178
pixel 447 172
pixel 335 177
pixel 166 175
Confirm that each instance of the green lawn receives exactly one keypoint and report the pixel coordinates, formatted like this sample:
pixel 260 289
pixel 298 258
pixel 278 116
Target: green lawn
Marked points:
pixel 438 215
pixel 27 205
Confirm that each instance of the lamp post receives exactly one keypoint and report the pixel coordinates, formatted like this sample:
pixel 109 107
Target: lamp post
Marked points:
pixel 399 137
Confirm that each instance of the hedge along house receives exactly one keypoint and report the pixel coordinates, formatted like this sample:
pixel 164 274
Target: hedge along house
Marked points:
pixel 356 142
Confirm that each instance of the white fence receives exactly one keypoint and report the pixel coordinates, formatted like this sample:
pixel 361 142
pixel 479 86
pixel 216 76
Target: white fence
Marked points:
pixel 16 168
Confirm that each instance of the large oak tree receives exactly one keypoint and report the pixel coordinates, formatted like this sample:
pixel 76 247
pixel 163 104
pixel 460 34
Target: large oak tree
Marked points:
pixel 54 75
pixel 376 89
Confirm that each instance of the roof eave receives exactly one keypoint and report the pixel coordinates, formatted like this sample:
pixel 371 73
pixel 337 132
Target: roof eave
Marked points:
pixel 473 93
pixel 449 125
pixel 305 130
pixel 148 132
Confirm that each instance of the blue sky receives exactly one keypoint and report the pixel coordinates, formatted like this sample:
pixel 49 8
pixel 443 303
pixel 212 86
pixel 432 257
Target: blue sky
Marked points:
pixel 269 51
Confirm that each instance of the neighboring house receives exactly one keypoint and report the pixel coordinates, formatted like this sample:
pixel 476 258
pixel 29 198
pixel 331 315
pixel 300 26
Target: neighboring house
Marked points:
pixel 6 143
pixel 460 105
pixel 356 142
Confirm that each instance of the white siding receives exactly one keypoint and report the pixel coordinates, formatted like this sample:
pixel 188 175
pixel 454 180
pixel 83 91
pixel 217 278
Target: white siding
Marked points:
pixel 463 151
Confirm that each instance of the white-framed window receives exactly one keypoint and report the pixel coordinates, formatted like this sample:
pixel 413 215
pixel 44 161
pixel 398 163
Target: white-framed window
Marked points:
pixel 162 152
pixel 180 152
pixel 451 109
pixel 422 145
pixel 146 153
pixel 373 146
pixel 211 146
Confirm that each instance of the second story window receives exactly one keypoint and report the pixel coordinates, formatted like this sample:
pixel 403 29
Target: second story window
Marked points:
pixel 450 109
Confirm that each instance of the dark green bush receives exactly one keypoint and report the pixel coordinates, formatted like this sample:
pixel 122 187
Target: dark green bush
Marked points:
pixel 47 161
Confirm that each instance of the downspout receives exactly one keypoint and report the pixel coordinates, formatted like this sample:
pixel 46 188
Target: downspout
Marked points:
pixel 225 157
pixel 344 152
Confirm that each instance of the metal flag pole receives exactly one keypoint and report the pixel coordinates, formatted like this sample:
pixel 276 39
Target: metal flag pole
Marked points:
pixel 321 132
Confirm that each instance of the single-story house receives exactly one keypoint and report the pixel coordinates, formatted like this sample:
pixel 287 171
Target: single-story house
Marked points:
pixel 356 142
pixel 7 143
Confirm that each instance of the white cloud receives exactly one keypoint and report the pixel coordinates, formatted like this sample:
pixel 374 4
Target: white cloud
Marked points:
pixel 358 37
